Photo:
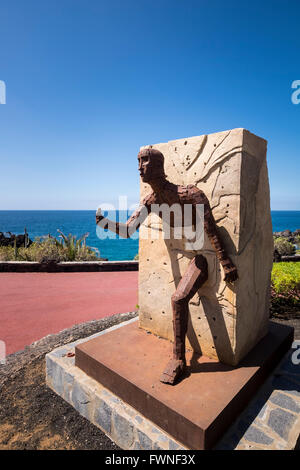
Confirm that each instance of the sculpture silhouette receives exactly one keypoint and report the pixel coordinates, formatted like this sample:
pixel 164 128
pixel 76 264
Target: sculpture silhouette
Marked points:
pixel 151 168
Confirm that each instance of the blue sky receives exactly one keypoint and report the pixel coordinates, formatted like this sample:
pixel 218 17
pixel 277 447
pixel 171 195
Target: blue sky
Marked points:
pixel 88 82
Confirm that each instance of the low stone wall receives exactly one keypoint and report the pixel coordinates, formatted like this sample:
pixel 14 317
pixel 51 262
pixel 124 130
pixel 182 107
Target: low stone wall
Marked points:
pixel 68 266
pixel 81 266
pixel 291 258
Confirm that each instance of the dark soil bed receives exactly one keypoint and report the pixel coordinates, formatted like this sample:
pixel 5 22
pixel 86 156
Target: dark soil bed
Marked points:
pixel 289 315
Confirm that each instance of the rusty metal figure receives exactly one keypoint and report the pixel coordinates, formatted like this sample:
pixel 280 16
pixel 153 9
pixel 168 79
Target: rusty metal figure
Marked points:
pixel 151 168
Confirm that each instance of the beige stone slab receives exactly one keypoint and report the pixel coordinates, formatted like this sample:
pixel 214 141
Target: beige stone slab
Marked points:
pixel 225 322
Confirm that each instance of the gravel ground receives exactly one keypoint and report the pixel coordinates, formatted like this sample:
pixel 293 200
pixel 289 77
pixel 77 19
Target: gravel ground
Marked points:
pixel 33 417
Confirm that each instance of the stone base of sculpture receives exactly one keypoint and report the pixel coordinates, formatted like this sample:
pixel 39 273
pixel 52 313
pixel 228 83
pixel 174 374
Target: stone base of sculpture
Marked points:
pixel 198 410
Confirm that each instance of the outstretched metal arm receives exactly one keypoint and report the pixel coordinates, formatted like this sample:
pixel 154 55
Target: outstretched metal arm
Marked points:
pixel 132 224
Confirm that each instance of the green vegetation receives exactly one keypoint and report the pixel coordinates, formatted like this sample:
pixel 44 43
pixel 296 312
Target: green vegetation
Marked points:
pixel 7 253
pixel 297 240
pixel 285 276
pixel 285 285
pixel 50 250
pixel 283 246
pixel 76 250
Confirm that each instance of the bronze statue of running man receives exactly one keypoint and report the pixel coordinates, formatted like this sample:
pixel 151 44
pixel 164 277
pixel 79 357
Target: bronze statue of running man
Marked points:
pixel 151 168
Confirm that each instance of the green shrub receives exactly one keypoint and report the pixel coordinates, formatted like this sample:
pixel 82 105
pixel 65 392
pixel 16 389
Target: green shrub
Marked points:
pixel 285 283
pixel 43 251
pixel 283 246
pixel 7 253
pixel 77 249
pixel 87 254
pixel 285 276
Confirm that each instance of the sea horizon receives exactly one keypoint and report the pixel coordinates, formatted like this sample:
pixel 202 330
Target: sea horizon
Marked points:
pixel 89 210
pixel 40 222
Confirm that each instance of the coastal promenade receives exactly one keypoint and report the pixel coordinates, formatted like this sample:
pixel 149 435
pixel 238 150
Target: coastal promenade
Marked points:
pixel 34 305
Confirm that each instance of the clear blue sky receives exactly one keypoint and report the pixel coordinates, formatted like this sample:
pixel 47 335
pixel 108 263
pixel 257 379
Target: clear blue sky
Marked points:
pixel 90 81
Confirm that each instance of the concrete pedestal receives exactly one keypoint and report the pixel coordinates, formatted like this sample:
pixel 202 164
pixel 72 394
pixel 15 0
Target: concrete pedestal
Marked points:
pixel 197 411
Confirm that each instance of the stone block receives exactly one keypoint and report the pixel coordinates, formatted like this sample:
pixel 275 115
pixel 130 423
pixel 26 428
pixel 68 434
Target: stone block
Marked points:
pixel 123 431
pixel 68 382
pixel 81 399
pixel 137 446
pixel 284 401
pixel 281 421
pixel 144 440
pixel 225 321
pixel 54 374
pixel 102 415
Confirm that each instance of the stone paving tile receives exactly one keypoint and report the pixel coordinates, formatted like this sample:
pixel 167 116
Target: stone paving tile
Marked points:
pixel 281 422
pixel 103 415
pixel 123 430
pixel 285 401
pixel 254 434
pixel 145 442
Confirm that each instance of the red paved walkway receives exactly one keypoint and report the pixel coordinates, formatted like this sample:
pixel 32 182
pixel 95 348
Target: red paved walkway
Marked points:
pixel 33 305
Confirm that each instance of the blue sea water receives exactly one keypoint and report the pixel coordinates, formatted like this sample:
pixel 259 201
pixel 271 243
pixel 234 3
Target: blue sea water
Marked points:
pixel 39 223
pixel 285 220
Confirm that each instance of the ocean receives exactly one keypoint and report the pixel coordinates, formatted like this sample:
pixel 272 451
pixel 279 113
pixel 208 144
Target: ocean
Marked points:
pixel 39 223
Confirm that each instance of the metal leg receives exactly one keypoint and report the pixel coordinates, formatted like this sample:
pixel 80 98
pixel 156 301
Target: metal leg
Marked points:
pixel 192 280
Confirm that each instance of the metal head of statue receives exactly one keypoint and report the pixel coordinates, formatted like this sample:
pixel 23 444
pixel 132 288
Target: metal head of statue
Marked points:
pixel 151 165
